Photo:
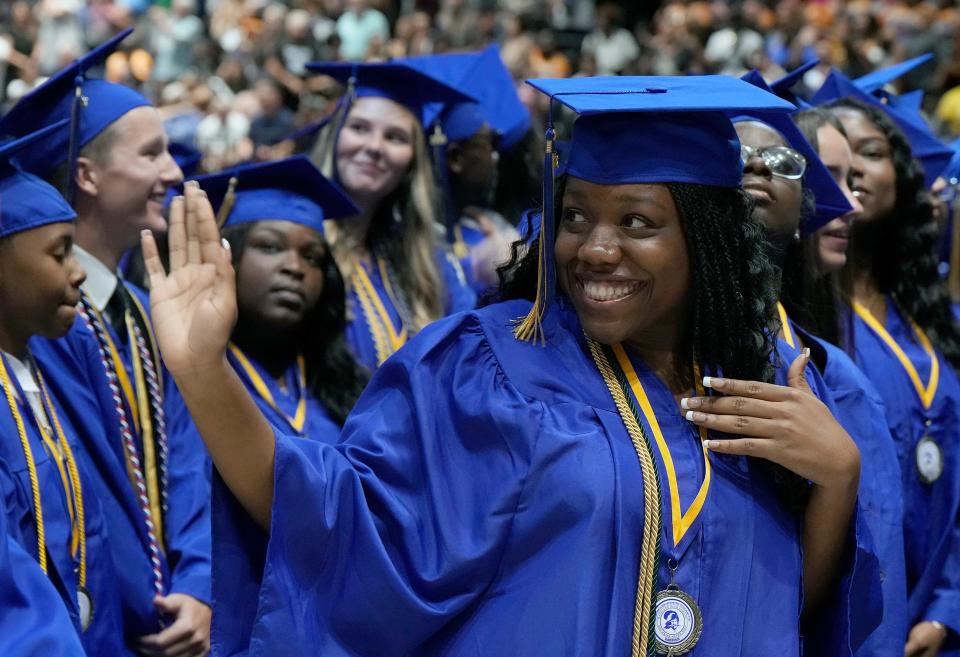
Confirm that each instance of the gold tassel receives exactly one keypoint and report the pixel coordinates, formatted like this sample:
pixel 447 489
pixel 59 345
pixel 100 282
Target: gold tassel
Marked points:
pixel 228 200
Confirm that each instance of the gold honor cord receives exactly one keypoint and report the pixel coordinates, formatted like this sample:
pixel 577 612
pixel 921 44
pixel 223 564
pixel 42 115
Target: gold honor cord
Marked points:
pixel 643 634
pixel 31 466
pixel 681 523
pixel 386 339
pixel 298 421
pixel 122 376
pixel 926 393
pixel 146 429
pixel 785 323
pixel 78 536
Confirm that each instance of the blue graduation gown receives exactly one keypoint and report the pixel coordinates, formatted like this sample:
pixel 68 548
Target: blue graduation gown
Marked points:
pixel 459 296
pixel 33 619
pixel 931 533
pixel 318 424
pixel 859 409
pixel 77 375
pixel 104 636
pixel 486 500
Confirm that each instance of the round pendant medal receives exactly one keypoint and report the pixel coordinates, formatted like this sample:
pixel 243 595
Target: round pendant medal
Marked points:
pixel 929 460
pixel 85 607
pixel 677 622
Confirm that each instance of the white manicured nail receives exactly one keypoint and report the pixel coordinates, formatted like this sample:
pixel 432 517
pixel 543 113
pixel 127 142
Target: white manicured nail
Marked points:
pixel 683 403
pixel 708 382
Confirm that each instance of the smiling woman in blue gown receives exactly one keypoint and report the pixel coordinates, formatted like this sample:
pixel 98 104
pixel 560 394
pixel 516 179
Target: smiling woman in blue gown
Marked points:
pixel 288 345
pixel 496 494
pixel 800 192
pixel 905 340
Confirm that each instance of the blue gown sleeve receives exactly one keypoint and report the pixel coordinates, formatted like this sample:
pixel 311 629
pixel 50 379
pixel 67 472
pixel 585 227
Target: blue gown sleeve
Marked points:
pixel 33 618
pixel 405 521
pixel 945 604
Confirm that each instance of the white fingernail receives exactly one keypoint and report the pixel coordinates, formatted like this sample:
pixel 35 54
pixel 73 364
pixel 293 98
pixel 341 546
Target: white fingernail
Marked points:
pixel 683 403
pixel 224 243
pixel 689 416
pixel 708 382
pixel 806 352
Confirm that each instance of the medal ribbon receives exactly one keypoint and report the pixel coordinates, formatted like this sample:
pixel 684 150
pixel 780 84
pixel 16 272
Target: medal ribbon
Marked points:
pixel 926 393
pixel 386 338
pixel 681 522
pixel 70 477
pixel 785 323
pixel 298 421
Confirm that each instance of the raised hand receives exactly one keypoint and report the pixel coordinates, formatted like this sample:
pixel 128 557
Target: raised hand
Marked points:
pixel 194 307
pixel 784 424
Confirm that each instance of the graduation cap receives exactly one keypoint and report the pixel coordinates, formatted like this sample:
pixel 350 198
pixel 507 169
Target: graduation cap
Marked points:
pixel 831 202
pixel 878 79
pixel 784 86
pixel 26 201
pixel 92 105
pixel 932 153
pixel 396 81
pixel 642 129
pixel 292 189
pixel 483 75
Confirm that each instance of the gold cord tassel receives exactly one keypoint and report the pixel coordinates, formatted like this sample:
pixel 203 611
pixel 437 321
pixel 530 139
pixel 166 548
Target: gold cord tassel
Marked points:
pixel 228 200
pixel 643 635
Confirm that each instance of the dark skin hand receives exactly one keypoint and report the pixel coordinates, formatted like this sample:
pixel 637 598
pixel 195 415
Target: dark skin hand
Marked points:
pixel 788 425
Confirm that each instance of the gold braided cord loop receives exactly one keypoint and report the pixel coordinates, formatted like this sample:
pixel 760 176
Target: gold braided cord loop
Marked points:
pixel 643 634
pixel 31 467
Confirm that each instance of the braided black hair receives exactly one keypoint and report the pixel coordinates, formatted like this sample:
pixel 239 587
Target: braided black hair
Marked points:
pixel 732 280
pixel 904 264
pixel 333 375
pixel 733 285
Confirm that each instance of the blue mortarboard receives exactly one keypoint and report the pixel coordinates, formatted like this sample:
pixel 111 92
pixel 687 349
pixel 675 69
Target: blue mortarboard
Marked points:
pixel 292 189
pixel 831 201
pixel 397 81
pixel 883 76
pixel 932 153
pixel 483 75
pixel 91 104
pixel 649 129
pixel 26 201
pixel 784 86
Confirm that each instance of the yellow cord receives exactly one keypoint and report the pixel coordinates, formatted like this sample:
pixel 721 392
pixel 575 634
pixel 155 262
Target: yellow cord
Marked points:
pixel 31 466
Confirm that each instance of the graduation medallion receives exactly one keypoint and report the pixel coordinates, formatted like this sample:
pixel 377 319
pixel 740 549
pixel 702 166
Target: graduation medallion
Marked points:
pixel 85 606
pixel 929 460
pixel 677 622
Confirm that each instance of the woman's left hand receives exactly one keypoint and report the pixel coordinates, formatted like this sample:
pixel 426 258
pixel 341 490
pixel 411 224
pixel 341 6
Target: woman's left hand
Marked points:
pixel 787 425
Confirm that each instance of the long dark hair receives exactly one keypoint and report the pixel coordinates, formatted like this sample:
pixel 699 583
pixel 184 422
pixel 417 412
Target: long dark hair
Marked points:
pixel 333 375
pixel 809 295
pixel 732 284
pixel 904 263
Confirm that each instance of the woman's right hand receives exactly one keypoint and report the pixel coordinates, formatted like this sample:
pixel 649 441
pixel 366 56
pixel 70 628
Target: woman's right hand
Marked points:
pixel 194 307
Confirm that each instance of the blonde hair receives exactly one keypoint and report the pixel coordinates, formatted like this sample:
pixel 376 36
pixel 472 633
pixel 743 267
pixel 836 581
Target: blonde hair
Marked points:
pixel 413 258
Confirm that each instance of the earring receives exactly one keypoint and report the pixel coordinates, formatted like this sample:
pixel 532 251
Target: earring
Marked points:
pixel 796 235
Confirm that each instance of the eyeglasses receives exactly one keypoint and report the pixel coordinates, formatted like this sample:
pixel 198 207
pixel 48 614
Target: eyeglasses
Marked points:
pixel 781 160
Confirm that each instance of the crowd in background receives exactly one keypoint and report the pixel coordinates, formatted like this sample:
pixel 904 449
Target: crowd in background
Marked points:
pixel 229 75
